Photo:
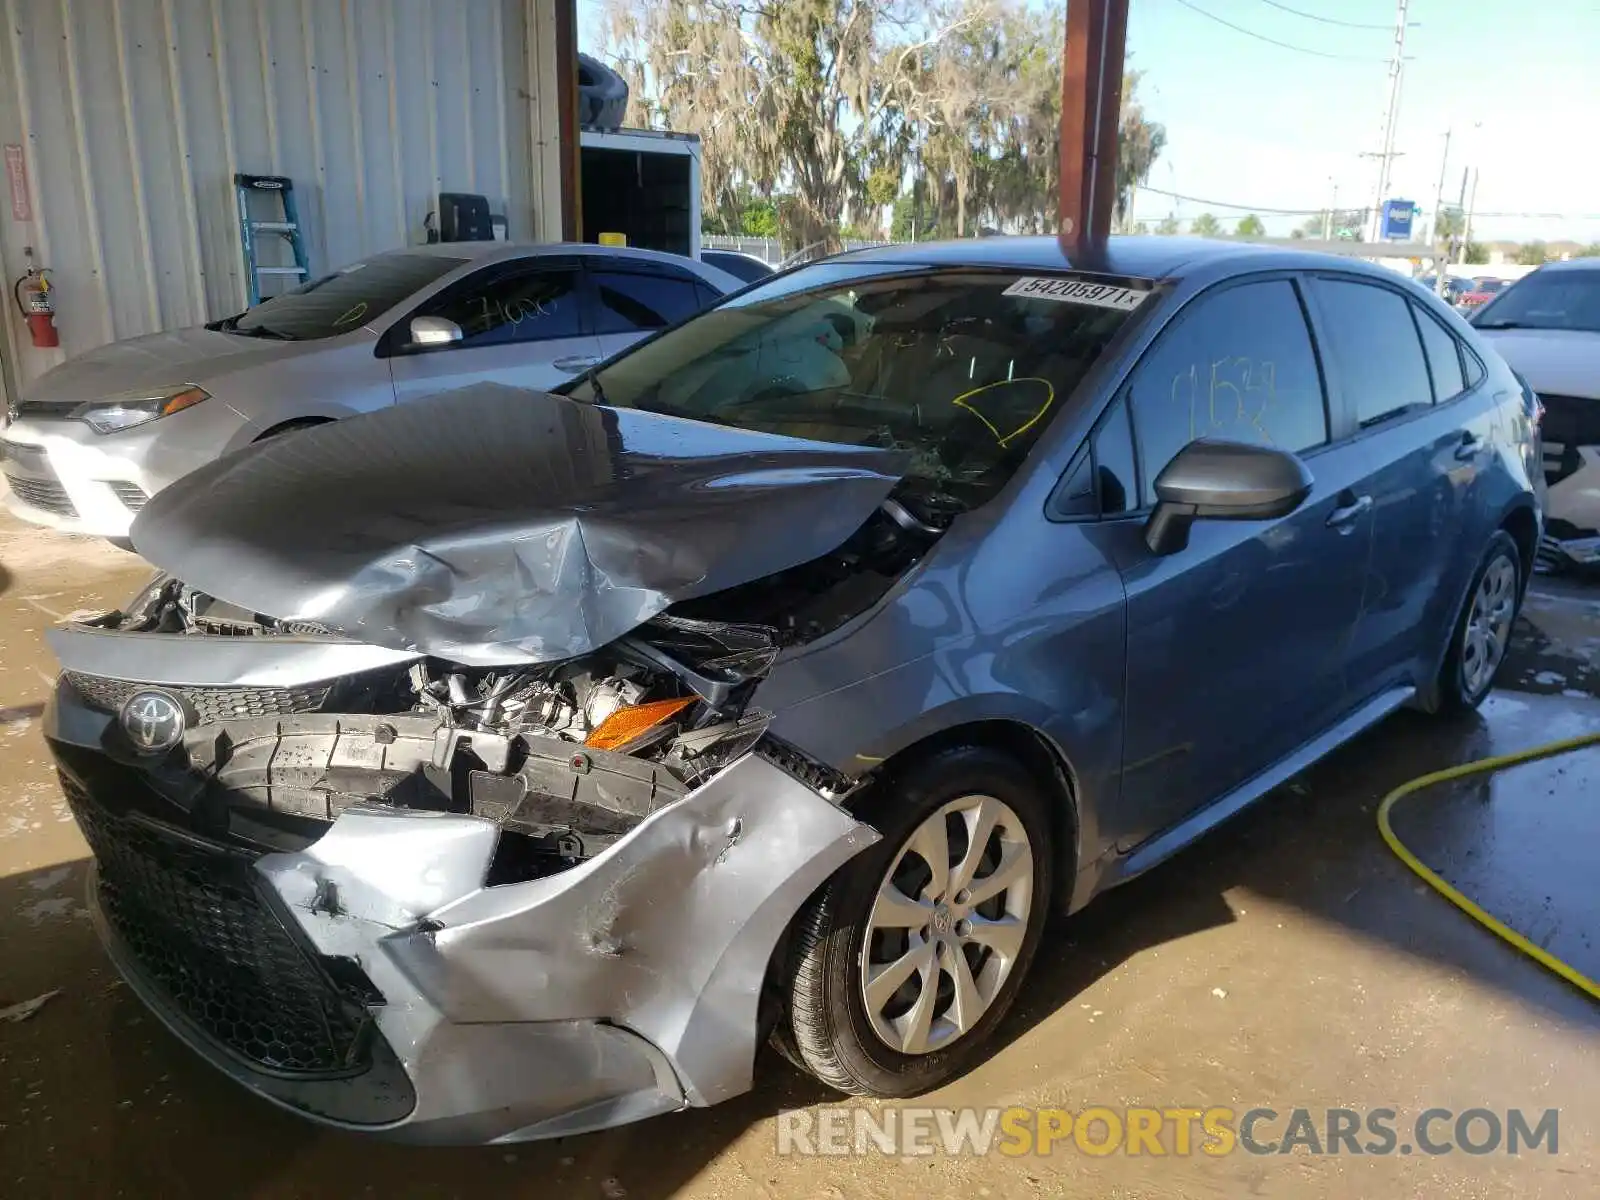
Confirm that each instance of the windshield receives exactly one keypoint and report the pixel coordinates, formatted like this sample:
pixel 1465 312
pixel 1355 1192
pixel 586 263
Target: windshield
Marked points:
pixel 343 301
pixel 1546 300
pixel 960 369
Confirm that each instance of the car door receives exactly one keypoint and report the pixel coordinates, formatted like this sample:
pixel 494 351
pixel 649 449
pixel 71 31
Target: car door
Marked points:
pixel 1428 438
pixel 523 323
pixel 1235 644
pixel 633 299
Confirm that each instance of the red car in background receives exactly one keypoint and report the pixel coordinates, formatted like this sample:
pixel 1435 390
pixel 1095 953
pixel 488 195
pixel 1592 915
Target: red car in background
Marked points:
pixel 1483 291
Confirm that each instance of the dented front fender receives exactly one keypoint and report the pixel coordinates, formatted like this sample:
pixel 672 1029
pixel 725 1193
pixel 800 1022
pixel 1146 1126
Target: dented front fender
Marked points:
pixel 668 933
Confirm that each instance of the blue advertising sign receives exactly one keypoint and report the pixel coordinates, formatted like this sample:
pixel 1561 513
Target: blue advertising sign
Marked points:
pixel 1396 223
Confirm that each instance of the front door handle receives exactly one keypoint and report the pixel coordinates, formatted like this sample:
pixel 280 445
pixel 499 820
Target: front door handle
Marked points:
pixel 1467 450
pixel 1346 515
pixel 578 362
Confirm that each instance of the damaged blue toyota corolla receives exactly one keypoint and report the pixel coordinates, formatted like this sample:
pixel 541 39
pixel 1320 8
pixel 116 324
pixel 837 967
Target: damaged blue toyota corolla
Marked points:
pixel 511 765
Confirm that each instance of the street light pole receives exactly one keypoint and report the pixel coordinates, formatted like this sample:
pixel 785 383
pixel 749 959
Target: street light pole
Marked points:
pixel 1438 204
pixel 1466 229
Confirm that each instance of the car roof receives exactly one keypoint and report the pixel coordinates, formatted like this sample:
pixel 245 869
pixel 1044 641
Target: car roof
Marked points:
pixel 1573 264
pixel 1144 256
pixel 490 252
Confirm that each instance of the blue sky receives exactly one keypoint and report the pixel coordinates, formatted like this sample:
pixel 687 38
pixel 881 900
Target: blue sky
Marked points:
pixel 1257 124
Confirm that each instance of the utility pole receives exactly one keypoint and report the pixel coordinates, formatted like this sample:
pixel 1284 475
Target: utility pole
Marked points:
pixel 1387 155
pixel 1438 206
pixel 1333 205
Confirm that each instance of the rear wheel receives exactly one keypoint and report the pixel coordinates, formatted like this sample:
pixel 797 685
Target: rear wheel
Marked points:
pixel 1483 630
pixel 907 960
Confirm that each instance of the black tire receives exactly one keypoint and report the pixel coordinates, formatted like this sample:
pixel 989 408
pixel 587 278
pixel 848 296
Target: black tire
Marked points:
pixel 829 1031
pixel 1457 693
pixel 602 95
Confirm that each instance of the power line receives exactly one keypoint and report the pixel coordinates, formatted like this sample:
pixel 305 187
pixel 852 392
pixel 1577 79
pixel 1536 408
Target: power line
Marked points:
pixel 1313 212
pixel 1245 208
pixel 1323 20
pixel 1261 37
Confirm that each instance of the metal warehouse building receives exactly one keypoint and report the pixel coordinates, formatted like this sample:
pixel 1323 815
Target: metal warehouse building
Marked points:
pixel 123 123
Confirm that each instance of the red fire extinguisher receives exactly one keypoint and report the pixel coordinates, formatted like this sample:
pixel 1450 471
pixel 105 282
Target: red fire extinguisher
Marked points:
pixel 33 293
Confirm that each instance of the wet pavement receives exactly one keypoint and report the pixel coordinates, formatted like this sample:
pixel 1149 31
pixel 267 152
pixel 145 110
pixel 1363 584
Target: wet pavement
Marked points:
pixel 1288 961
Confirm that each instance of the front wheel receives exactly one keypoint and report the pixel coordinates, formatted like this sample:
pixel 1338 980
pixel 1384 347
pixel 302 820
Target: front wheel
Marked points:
pixel 1483 630
pixel 907 960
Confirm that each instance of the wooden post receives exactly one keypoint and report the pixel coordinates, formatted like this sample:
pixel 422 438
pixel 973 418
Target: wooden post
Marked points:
pixel 1091 109
pixel 567 120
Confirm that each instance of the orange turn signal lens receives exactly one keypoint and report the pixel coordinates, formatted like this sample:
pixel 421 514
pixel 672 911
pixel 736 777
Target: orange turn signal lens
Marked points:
pixel 184 399
pixel 624 725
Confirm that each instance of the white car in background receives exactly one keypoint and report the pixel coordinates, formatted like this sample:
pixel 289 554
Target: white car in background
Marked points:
pixel 1547 327
pixel 95 438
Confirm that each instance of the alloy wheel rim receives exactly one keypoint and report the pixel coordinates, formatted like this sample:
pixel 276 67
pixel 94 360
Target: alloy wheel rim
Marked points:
pixel 1488 631
pixel 947 925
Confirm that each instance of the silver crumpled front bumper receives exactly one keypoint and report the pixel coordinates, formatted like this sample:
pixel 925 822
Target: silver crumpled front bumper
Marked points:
pixel 621 988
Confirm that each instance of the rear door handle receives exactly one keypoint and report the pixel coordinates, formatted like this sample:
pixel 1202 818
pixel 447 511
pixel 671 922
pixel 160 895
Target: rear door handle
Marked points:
pixel 578 362
pixel 1345 516
pixel 1468 449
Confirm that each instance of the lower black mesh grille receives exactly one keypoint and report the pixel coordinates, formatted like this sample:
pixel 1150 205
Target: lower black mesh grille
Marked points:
pixel 191 915
pixel 44 494
pixel 208 703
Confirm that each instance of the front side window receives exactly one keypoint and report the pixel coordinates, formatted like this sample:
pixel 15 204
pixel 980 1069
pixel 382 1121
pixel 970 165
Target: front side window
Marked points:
pixel 344 301
pixel 1371 334
pixel 1238 365
pixel 959 369
pixel 518 303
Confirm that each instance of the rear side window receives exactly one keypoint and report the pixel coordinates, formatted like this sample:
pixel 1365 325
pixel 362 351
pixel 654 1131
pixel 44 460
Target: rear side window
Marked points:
pixel 1237 365
pixel 630 302
pixel 1444 356
pixel 1375 344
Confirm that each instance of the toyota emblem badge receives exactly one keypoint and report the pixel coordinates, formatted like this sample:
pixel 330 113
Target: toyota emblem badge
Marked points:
pixel 153 721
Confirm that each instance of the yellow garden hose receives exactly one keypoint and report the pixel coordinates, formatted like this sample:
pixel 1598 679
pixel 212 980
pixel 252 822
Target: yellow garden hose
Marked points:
pixel 1482 766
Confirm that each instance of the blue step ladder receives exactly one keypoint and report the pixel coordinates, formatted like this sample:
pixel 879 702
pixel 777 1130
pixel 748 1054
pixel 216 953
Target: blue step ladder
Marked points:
pixel 288 228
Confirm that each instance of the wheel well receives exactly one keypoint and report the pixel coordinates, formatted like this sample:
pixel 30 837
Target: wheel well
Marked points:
pixel 1524 530
pixel 290 426
pixel 1044 761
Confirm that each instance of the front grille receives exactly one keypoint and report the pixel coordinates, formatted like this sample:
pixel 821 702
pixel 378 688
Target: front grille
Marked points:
pixel 130 495
pixel 208 704
pixel 191 915
pixel 44 494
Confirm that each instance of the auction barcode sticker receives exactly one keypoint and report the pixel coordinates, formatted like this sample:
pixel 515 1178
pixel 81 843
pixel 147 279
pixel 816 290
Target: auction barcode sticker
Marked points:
pixel 1077 291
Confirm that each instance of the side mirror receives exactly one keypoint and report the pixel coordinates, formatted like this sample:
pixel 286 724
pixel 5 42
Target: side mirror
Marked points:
pixel 434 331
pixel 1224 481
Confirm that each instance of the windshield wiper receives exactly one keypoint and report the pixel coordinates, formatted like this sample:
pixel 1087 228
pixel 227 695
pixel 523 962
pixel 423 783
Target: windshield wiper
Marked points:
pixel 1500 325
pixel 262 331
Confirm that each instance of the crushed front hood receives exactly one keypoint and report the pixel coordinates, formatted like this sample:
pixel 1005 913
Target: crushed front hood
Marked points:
pixel 494 525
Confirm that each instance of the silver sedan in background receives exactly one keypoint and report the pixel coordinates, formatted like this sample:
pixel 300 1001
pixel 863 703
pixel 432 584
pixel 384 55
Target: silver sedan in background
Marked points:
pixel 95 438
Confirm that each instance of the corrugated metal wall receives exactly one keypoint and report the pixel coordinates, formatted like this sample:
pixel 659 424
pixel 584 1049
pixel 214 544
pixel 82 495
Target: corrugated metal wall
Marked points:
pixel 134 115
